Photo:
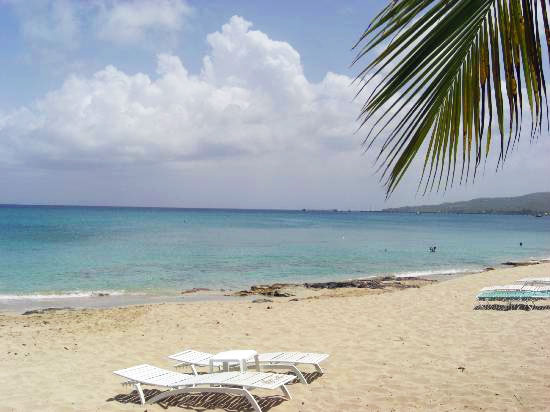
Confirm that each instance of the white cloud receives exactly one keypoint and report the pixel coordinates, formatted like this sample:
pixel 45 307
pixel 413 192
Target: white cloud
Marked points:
pixel 250 99
pixel 131 22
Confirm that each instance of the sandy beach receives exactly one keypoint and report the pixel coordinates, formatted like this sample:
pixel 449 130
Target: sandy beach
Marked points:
pixel 414 349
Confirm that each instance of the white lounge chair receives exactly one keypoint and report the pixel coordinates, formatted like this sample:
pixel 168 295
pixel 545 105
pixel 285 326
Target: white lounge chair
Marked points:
pixel 535 281
pixel 534 287
pixel 236 383
pixel 275 360
pixel 502 288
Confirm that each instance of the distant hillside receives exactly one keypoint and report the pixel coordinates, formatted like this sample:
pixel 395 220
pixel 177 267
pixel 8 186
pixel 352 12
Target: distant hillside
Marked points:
pixel 534 203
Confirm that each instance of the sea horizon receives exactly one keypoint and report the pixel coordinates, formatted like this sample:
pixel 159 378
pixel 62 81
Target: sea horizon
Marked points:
pixel 329 210
pixel 260 209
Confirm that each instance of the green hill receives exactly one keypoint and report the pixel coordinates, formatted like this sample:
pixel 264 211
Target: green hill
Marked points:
pixel 534 203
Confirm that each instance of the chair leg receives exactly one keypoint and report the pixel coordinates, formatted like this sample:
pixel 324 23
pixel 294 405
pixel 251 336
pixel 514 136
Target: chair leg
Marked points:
pixel 252 401
pixel 286 392
pixel 318 368
pixel 140 391
pixel 298 374
pixel 194 370
pixel 257 363
pixel 290 367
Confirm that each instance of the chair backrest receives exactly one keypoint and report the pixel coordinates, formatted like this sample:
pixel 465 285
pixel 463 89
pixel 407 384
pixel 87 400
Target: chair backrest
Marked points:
pixel 503 287
pixel 152 375
pixel 535 281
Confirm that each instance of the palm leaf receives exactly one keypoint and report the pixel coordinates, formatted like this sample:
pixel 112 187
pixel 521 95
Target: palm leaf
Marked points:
pixel 457 73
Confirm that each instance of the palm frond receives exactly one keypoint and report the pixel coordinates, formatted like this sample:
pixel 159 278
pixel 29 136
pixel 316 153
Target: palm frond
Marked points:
pixel 452 74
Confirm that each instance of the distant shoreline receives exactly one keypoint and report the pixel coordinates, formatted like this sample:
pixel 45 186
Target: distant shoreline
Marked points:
pixel 500 213
pixel 531 204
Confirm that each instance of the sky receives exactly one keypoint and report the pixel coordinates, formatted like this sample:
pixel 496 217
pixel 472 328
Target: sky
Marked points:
pixel 219 104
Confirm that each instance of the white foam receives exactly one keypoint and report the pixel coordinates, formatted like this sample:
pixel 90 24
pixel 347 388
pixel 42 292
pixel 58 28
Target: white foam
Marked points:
pixel 65 295
pixel 420 273
pixel 435 272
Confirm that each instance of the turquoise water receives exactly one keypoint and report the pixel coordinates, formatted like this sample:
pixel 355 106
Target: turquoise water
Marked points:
pixel 77 250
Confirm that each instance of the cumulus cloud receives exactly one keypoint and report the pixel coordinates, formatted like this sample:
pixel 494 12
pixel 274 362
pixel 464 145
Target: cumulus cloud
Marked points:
pixel 126 22
pixel 251 98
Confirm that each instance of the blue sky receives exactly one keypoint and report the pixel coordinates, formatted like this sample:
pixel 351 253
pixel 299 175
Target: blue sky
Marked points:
pixel 197 104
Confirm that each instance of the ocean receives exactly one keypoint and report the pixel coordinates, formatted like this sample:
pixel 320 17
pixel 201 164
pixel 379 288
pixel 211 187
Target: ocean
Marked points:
pixel 81 251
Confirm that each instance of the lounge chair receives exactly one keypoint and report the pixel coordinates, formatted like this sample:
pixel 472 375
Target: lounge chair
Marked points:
pixel 523 294
pixel 513 287
pixel 236 383
pixel 522 291
pixel 515 292
pixel 535 281
pixel 275 360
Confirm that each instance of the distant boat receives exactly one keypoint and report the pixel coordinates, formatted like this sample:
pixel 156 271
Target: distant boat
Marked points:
pixel 538 215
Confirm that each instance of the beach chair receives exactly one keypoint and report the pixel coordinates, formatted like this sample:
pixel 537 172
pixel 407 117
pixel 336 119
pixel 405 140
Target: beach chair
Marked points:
pixel 236 383
pixel 512 287
pixel 535 281
pixel 274 360
pixel 522 292
pixel 516 289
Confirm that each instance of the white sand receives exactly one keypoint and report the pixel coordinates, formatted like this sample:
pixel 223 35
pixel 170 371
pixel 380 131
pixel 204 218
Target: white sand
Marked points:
pixel 392 351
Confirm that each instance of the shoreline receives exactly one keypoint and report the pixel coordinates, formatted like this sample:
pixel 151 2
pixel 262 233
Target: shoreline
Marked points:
pixel 19 306
pixel 98 300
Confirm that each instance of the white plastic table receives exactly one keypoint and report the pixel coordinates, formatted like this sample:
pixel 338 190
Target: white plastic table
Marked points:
pixel 234 356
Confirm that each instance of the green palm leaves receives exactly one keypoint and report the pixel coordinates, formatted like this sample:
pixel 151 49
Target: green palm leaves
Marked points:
pixel 453 76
